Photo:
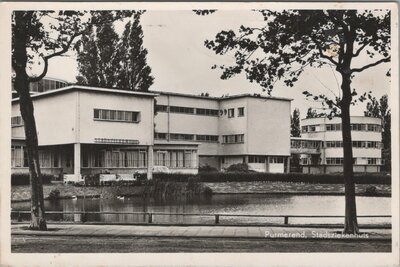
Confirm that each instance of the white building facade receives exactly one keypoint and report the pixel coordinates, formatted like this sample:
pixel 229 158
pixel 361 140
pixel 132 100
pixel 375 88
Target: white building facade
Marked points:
pixel 86 130
pixel 323 138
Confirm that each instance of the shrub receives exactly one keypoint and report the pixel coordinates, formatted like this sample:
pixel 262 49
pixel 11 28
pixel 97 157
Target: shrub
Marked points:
pixel 240 167
pixel 54 194
pixel 207 168
pixel 23 178
pixel 371 191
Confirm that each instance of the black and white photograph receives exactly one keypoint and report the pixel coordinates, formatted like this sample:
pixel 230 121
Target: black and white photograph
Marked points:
pixel 198 134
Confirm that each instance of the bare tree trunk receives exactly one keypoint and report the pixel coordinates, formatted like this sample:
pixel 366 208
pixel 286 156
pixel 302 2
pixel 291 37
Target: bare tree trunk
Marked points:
pixel 26 107
pixel 350 224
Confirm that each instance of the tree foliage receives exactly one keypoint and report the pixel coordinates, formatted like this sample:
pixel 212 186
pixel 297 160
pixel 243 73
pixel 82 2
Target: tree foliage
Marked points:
pixel 295 123
pixel 380 109
pixel 292 40
pixel 106 60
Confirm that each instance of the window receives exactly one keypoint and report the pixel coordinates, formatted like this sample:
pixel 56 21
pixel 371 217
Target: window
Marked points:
pixel 304 129
pixel 373 161
pixel 333 127
pixel 256 159
pixel 231 113
pixel 232 139
pixel 276 159
pixel 116 115
pixel 160 136
pixel 241 112
pixel 183 137
pixel 334 161
pixel 333 144
pixel 161 108
pixel 56 162
pixel 207 138
pixel 17 153
pixel 185 110
pixel 207 112
pixel 16 121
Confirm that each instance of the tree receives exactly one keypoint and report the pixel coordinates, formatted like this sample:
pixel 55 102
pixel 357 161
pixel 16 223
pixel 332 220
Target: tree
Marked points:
pixel 96 56
pixel 380 109
pixel 119 62
pixel 38 36
pixel 292 40
pixel 295 123
pixel 312 113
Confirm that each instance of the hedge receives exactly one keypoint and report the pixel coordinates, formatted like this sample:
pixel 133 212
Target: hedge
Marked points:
pixel 217 177
pixel 23 178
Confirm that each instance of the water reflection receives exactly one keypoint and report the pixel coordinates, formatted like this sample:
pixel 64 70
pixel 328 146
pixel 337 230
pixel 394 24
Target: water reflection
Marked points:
pixel 221 204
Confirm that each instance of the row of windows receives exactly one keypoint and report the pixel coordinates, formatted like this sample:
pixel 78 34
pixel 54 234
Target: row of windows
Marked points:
pixel 233 139
pixel 357 144
pixel 116 141
pixel 186 137
pixel 175 158
pixel 338 127
pixel 336 161
pixel 47 159
pixel 116 159
pixel 182 137
pixel 116 115
pixel 254 159
pixel 200 111
pixel 46 85
pixel 339 161
pixel 16 121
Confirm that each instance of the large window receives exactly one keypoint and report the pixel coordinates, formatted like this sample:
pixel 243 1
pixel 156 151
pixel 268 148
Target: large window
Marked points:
pixel 176 109
pixel 276 159
pixel 337 161
pixel 183 137
pixel 207 112
pixel 233 139
pixel 175 158
pixel 16 121
pixel 116 115
pixel 161 108
pixel 207 138
pixel 333 127
pixel 160 136
pixel 256 159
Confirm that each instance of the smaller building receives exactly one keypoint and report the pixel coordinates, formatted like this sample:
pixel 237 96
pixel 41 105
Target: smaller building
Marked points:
pixel 320 149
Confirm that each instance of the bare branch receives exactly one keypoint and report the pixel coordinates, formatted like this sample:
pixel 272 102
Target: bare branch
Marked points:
pixel 46 58
pixel 326 57
pixel 360 49
pixel 387 59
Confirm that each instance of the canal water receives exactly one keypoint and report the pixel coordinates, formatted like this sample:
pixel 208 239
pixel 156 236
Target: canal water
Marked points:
pixel 284 204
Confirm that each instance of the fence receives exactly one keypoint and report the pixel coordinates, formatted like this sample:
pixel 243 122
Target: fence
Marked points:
pixel 217 217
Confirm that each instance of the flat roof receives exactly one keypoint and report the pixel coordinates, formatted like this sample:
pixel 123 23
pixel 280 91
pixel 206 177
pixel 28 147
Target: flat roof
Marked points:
pixel 89 88
pixel 221 98
pixel 151 93
pixel 356 116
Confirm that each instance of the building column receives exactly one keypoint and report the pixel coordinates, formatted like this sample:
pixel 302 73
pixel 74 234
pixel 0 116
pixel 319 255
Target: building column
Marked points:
pixel 288 165
pixel 77 158
pixel 150 163
pixel 266 163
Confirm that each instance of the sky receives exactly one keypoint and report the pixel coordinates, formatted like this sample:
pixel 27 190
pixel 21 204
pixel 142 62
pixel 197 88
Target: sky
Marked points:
pixel 181 63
